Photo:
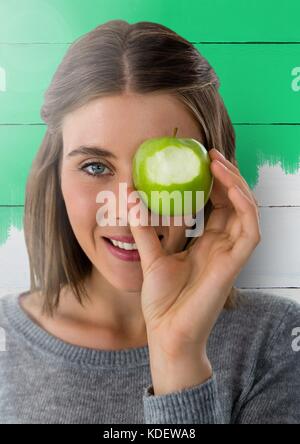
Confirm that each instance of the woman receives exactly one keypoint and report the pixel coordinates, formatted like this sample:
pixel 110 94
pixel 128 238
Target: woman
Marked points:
pixel 164 338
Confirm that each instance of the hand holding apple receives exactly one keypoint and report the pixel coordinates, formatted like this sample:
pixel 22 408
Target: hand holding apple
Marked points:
pixel 184 293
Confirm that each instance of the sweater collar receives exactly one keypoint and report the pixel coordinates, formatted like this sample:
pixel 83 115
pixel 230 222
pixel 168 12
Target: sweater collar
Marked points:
pixel 39 338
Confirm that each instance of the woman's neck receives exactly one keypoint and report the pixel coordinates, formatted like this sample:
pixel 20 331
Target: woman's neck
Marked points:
pixel 96 325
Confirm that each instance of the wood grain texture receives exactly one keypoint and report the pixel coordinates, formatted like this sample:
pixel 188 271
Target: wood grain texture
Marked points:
pixel 276 260
pixel 277 188
pixel 254 48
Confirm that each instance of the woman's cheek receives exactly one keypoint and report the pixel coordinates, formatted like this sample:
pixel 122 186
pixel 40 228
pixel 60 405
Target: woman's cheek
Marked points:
pixel 81 205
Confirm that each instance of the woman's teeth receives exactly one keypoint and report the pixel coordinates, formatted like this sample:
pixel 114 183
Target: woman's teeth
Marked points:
pixel 124 245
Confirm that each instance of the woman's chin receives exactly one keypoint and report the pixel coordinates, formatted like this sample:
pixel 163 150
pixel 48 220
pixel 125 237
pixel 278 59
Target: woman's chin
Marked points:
pixel 122 280
pixel 133 282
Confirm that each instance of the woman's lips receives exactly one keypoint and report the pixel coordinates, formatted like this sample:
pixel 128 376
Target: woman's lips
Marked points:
pixel 120 253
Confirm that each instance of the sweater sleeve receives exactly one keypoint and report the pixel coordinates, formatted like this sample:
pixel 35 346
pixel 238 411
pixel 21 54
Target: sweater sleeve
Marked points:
pixel 194 405
pixel 274 395
pixel 271 395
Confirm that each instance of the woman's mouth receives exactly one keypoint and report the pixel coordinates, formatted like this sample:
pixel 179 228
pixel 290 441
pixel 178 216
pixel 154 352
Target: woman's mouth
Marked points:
pixel 126 251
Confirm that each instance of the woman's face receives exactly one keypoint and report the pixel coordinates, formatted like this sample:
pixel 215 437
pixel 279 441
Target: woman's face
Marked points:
pixel 118 124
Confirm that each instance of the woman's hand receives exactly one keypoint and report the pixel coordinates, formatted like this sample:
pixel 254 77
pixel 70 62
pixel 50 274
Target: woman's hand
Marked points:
pixel 184 293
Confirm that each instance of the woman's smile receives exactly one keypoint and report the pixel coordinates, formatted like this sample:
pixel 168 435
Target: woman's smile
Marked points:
pixel 123 247
pixel 123 253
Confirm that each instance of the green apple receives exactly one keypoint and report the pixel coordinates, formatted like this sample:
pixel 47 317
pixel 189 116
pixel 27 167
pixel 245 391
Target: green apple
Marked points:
pixel 170 166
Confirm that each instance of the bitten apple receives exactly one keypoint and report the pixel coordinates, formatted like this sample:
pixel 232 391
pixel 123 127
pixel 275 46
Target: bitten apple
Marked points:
pixel 170 166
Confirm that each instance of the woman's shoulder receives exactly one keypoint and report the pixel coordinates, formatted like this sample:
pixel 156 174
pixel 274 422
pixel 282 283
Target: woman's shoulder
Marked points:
pixel 10 305
pixel 265 304
pixel 8 301
pixel 258 344
pixel 263 307
pixel 262 317
pixel 7 312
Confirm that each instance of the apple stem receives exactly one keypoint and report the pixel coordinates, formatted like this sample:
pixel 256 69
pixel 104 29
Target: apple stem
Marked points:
pixel 175 132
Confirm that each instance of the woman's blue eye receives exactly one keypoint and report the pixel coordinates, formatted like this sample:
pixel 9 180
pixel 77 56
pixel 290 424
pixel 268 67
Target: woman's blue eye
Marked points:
pixel 97 168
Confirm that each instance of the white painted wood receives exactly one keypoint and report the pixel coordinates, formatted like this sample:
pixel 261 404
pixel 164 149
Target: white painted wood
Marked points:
pixel 14 264
pixel 276 260
pixel 277 188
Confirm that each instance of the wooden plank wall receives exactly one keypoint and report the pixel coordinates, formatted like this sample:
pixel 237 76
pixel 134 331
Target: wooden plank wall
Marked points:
pixel 254 48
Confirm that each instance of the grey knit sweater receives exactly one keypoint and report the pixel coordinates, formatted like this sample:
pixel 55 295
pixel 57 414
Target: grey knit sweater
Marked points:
pixel 254 351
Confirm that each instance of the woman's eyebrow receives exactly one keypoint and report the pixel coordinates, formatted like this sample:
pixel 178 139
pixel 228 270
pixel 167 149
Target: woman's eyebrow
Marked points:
pixel 91 151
